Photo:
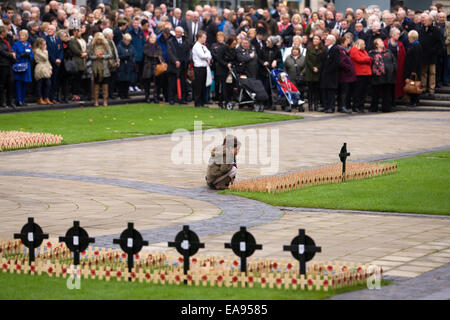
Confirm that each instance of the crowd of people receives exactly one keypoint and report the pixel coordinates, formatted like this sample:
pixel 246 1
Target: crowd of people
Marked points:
pixel 62 53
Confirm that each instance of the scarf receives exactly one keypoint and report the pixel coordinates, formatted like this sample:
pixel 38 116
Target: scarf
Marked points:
pixel 378 64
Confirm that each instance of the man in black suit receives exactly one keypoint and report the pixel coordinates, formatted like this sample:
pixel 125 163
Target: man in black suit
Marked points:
pixel 210 27
pixel 7 59
pixel 329 77
pixel 192 27
pixel 178 51
pixel 359 19
pixel 176 19
pixel 55 55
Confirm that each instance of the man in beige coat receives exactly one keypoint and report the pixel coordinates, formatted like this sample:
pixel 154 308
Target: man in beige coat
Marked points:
pixel 222 166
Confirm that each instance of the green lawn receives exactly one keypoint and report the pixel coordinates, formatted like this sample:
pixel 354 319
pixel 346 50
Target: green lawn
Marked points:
pixel 420 185
pixel 27 287
pixel 116 122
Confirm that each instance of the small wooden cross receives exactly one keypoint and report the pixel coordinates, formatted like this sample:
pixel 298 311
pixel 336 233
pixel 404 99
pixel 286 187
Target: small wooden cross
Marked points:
pixel 343 156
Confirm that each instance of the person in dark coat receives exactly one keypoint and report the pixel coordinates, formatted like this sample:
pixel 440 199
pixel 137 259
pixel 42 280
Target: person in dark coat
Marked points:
pixel 210 27
pixel 162 80
pixel 65 78
pixel 127 74
pixel 7 59
pixel 346 75
pixel 329 76
pixel 413 62
pixel 247 60
pixel 384 68
pixel 269 58
pixel 178 51
pixel 373 34
pixel 219 66
pixel 138 42
pixel 56 55
pixel 152 57
pixel 430 39
pixel 78 47
pixel 271 23
pixel 228 55
pixel 398 50
pixel 313 63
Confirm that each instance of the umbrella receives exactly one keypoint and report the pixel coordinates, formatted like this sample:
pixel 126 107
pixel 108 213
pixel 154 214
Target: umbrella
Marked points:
pixel 178 84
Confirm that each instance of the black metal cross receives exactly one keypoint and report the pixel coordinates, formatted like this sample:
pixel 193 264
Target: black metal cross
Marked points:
pixel 302 249
pixel 343 156
pixel 187 244
pixel 32 237
pixel 77 240
pixel 131 242
pixel 243 244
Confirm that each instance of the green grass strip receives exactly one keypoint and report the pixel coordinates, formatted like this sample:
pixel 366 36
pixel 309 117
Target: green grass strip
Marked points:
pixel 117 122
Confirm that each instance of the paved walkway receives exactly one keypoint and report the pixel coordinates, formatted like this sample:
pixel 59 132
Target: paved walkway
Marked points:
pixel 106 184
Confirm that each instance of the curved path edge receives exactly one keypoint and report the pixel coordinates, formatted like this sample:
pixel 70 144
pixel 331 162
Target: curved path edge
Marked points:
pixel 236 211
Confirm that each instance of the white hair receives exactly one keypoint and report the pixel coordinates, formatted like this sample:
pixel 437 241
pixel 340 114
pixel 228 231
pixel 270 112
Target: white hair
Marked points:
pixel 331 38
pixel 107 31
pixel 179 29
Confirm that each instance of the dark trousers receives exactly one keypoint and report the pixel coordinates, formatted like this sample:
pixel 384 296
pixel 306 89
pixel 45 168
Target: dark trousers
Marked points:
pixel 360 92
pixel 220 88
pixel 342 95
pixel 162 85
pixel 414 99
pixel 148 83
pixel 66 80
pixel 199 86
pixel 6 83
pixel 266 82
pixel 385 92
pixel 329 98
pixel 55 82
pixel 313 94
pixel 112 86
pixel 43 88
pixel 172 80
pixel 123 89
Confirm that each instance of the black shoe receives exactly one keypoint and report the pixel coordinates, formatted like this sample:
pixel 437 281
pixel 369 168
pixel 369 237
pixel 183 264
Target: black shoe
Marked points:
pixel 171 102
pixel 344 110
pixel 147 99
pixel 182 102
pixel 329 111
pixel 361 110
pixel 19 104
pixel 3 105
pixel 301 109
pixel 322 109
pixel 156 100
pixel 12 106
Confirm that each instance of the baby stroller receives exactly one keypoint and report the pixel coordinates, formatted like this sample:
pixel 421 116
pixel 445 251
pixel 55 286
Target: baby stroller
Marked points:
pixel 288 94
pixel 250 93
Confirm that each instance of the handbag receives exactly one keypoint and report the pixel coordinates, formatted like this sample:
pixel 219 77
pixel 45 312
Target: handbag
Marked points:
pixel 160 68
pixel 70 66
pixel 20 66
pixel 412 86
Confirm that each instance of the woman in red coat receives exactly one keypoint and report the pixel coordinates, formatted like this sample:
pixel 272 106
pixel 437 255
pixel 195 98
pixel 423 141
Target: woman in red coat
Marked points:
pixel 398 50
pixel 363 71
